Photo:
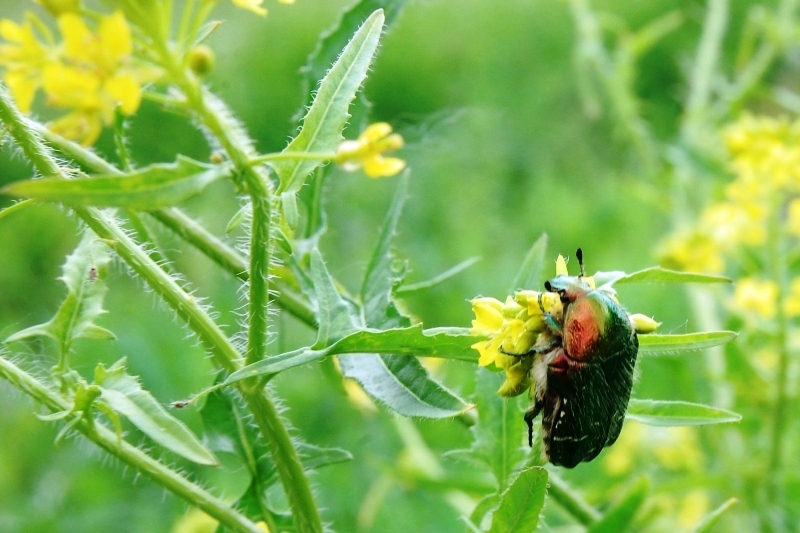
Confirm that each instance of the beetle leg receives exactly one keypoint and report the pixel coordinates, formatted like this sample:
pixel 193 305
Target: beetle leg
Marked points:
pixel 530 414
pixel 552 324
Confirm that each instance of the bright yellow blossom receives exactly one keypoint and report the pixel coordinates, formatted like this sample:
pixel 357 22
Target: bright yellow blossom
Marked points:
pixel 97 75
pixel 791 305
pixel 367 152
pixel 756 297
pixel 23 57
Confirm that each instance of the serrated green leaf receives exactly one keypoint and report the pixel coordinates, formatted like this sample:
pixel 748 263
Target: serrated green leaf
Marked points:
pixel 521 504
pixel 83 273
pixel 677 413
pixel 447 343
pixel 530 273
pixel 328 114
pixel 444 276
pixel 657 275
pixel 377 290
pixel 314 457
pixel 403 385
pixel 152 187
pixel 710 520
pixel 334 40
pixel 619 518
pixel 655 343
pixel 334 315
pixel 125 395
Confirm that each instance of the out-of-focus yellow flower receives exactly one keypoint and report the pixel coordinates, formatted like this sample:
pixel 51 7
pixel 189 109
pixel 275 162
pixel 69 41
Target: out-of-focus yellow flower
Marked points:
pixel 96 77
pixel 251 5
pixel 23 57
pixel 619 459
pixel 756 297
pixel 791 304
pixel 195 521
pixel 693 508
pixel 693 251
pixel 367 152
pixel 675 448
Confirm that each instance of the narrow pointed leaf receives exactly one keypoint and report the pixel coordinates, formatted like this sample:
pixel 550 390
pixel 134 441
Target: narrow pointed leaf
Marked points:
pixel 436 280
pixel 676 413
pixel 334 315
pixel 152 187
pixel 380 280
pixel 522 503
pixel 620 517
pixel 83 273
pixel 655 343
pixel 448 343
pixel 657 275
pixel 711 519
pixel 334 40
pixel 314 457
pixel 125 395
pixel 530 273
pixel 403 385
pixel 328 114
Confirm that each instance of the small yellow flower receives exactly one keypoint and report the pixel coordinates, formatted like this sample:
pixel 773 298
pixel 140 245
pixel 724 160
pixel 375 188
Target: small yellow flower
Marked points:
pixel 791 304
pixel 367 152
pixel 23 57
pixel 693 508
pixel 251 5
pixel 756 297
pixel 488 316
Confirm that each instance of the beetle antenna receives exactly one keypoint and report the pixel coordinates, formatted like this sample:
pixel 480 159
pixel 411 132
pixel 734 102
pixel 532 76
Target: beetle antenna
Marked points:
pixel 579 255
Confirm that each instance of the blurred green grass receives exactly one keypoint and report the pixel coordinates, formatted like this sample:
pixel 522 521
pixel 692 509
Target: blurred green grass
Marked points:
pixel 500 151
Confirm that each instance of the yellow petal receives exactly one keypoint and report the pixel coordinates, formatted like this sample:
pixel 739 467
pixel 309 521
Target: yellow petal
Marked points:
pixel 78 39
pixel 375 132
pixel 125 90
pixel 487 351
pixel 114 35
pixel 517 381
pixel 23 88
pixel 252 5
pixel 11 31
pixel 70 87
pixel 561 266
pixel 382 167
pixel 82 127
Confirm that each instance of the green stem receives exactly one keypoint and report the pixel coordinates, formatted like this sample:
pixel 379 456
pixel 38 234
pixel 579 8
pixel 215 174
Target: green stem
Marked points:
pixel 182 225
pixel 708 52
pixel 186 306
pixel 780 275
pixel 570 501
pixel 292 156
pixel 217 119
pixel 132 456
pixel 298 491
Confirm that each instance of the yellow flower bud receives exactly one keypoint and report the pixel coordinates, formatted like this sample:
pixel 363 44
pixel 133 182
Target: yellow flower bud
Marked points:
pixel 518 380
pixel 201 59
pixel 488 316
pixel 643 323
pixel 561 266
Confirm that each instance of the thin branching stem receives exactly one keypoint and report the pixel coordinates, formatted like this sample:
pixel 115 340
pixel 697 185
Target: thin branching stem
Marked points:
pixel 127 453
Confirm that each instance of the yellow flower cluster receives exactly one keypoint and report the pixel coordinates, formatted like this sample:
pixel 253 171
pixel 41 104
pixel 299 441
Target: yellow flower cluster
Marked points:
pixel 255 5
pixel 513 327
pixel 765 157
pixel 367 152
pixel 89 73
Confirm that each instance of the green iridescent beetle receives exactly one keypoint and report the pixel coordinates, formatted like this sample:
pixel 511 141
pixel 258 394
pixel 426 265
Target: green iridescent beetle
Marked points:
pixel 583 372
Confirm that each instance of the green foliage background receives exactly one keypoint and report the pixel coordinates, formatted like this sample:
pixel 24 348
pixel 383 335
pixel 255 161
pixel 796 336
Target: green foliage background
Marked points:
pixel 500 150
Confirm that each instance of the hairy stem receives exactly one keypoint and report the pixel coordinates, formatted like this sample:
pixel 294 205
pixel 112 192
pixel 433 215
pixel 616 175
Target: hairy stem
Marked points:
pixel 571 502
pixel 129 454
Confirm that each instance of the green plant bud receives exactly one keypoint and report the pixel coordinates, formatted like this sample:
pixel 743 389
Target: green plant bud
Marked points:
pixel 201 59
